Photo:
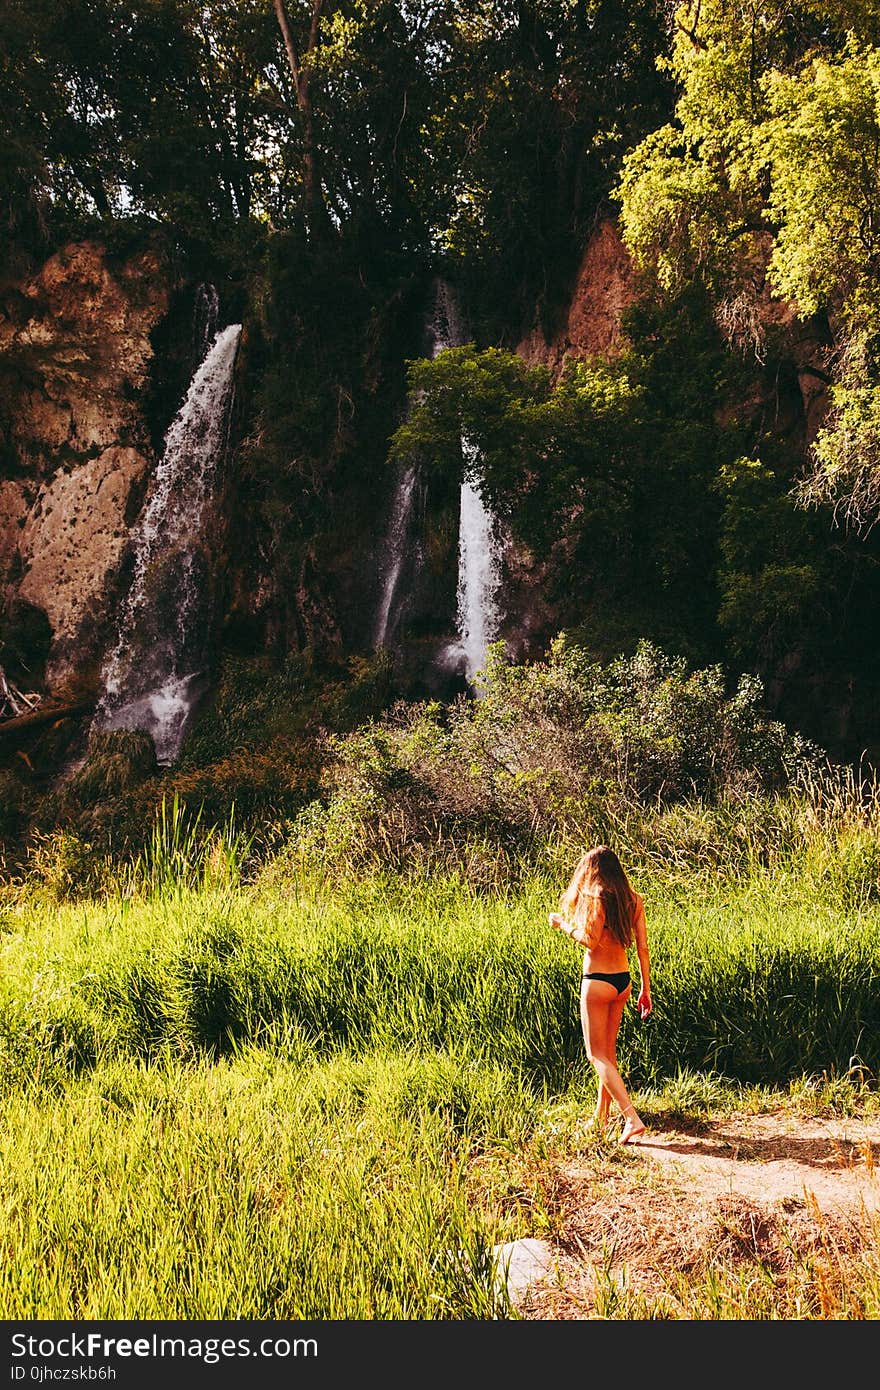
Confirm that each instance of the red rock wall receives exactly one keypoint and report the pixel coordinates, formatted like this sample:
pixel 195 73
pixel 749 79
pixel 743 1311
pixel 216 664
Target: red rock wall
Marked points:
pixel 75 354
pixel 603 290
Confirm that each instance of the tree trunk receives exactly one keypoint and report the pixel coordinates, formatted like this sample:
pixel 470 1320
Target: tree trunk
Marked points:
pixel 313 205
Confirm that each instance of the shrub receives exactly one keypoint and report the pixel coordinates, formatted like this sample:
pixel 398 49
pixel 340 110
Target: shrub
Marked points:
pixel 68 867
pixel 564 746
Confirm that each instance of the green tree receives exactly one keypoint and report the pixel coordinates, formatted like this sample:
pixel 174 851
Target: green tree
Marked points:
pixel 768 179
pixel 542 100
pixel 823 149
pixel 605 476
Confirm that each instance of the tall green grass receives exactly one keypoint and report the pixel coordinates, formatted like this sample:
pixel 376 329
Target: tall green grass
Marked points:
pixel 761 981
pixel 316 1096
pixel 256 1188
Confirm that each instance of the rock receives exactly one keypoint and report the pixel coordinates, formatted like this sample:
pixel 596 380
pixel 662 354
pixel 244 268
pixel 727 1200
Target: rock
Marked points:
pixel 603 290
pixel 523 1264
pixel 75 359
pixel 73 537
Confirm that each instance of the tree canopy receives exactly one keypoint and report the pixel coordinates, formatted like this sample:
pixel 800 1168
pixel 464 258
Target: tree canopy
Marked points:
pixel 486 130
pixel 767 182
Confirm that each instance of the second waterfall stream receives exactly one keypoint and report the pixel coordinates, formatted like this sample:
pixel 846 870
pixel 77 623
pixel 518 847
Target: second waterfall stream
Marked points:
pixel 480 549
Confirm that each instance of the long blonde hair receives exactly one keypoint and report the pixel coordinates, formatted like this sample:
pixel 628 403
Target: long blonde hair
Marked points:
pixel 599 895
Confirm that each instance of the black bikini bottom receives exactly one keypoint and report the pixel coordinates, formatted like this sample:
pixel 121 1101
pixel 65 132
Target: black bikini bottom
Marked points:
pixel 620 981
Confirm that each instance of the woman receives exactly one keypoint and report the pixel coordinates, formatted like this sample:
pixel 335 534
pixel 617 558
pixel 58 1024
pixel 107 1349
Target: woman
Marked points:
pixel 603 913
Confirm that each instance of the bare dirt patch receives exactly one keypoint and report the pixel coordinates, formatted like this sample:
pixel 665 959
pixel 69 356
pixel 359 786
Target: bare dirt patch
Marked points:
pixel 776 1158
pixel 779 1194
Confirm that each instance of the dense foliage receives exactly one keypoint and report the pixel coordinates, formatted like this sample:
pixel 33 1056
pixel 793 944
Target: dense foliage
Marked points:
pixel 488 129
pixel 562 752
pixel 321 159
pixel 767 181
pixel 651 515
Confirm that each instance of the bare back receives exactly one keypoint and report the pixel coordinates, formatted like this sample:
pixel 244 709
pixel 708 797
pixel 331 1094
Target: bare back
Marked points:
pixel 608 956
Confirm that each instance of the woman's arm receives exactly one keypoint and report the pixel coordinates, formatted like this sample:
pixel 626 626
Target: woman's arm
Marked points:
pixel 641 929
pixel 571 929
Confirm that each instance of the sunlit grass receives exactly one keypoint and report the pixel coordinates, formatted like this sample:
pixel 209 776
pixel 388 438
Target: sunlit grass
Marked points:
pixel 761 981
pixel 251 1188
pixel 373 1081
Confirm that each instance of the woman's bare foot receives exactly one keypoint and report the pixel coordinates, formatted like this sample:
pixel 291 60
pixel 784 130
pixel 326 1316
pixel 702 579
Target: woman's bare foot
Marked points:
pixel 633 1126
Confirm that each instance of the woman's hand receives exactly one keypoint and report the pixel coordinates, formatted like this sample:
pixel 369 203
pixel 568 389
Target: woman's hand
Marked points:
pixel 645 1005
pixel 562 924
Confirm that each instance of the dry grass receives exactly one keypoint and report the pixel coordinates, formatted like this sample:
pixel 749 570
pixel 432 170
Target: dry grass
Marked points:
pixel 638 1238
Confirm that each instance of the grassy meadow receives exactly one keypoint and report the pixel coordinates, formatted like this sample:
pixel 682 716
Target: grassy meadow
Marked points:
pixel 284 1093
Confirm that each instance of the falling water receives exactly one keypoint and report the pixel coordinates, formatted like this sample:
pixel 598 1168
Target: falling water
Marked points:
pixel 155 671
pixel 479 546
pixel 443 331
pixel 479 549
pixel 398 531
pixel 479 575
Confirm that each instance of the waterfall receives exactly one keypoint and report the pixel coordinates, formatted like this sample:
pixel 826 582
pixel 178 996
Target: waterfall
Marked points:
pixel 155 670
pixel 395 551
pixel 479 576
pixel 442 332
pixel 479 549
pixel 479 546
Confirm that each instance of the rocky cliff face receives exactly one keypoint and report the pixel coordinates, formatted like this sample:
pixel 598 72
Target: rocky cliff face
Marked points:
pixel 85 345
pixel 602 292
pixel 606 287
pixel 75 357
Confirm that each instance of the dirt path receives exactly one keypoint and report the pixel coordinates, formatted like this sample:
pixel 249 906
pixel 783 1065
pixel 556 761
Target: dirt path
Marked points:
pixel 767 1190
pixel 771 1158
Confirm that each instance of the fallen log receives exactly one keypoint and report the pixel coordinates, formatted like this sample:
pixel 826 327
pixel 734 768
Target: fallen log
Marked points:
pixel 43 715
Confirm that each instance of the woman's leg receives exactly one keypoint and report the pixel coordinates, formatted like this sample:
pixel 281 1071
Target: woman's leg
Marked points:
pixel 634 1124
pixel 603 1106
pixel 601 1012
pixel 615 1014
pixel 602 1035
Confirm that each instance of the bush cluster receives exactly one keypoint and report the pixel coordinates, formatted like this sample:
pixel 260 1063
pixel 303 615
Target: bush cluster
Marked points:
pixel 560 749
